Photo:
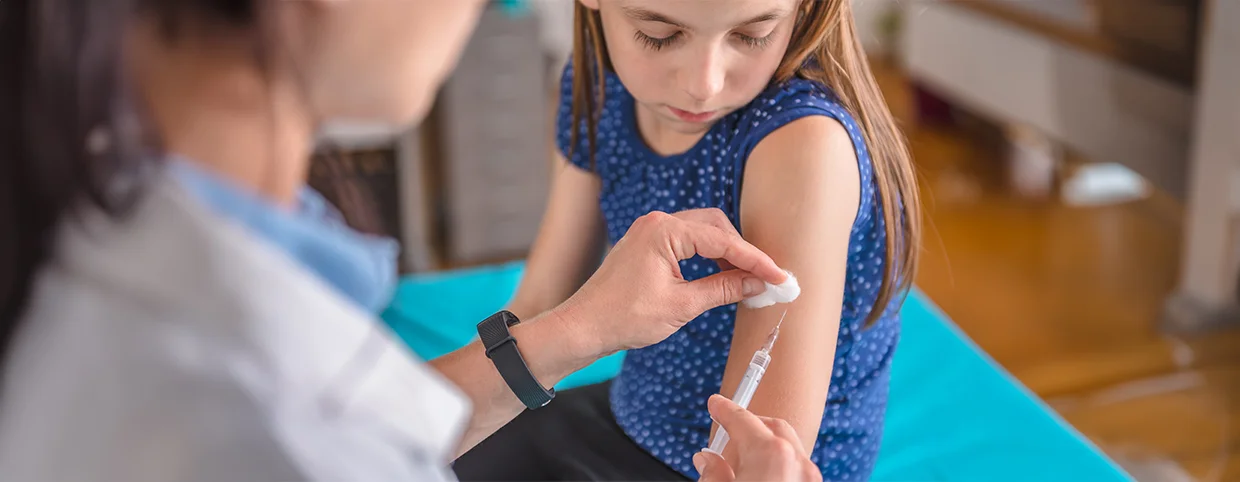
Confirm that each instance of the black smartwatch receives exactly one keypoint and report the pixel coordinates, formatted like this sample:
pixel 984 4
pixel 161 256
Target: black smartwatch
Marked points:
pixel 502 350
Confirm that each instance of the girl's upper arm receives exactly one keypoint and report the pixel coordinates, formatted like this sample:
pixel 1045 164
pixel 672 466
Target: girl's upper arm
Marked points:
pixel 569 245
pixel 799 200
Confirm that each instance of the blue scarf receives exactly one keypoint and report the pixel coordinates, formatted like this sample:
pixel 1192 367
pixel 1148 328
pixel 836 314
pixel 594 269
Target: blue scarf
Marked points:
pixel 360 266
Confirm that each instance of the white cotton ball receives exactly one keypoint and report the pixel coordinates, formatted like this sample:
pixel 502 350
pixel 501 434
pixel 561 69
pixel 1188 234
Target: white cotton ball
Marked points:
pixel 781 293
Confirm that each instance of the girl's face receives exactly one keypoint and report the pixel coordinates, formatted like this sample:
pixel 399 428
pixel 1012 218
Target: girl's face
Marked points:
pixel 690 62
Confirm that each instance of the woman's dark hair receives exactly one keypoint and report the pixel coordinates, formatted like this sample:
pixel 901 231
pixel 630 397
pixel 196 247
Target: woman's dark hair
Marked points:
pixel 67 127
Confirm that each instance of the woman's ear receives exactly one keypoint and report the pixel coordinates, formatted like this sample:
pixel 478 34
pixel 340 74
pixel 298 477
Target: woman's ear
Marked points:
pixel 590 4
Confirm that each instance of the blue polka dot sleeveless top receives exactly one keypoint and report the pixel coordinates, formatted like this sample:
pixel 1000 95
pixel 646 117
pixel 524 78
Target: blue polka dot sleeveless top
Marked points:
pixel 659 397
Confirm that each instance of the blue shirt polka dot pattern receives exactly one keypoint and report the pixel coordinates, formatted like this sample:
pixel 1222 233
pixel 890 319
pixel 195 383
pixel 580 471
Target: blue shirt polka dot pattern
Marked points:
pixel 659 396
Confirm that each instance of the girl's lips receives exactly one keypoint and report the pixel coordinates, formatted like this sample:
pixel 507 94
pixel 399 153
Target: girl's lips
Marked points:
pixel 687 116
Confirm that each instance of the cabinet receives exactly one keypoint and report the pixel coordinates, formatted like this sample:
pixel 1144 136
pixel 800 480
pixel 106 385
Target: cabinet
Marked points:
pixel 494 141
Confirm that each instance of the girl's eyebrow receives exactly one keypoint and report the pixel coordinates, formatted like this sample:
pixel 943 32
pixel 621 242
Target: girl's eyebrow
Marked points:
pixel 766 17
pixel 644 15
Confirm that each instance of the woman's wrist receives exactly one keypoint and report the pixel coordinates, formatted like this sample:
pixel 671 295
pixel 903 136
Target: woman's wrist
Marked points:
pixel 557 343
pixel 579 328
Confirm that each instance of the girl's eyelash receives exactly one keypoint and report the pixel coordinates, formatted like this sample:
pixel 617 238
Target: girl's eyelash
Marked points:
pixel 755 42
pixel 656 43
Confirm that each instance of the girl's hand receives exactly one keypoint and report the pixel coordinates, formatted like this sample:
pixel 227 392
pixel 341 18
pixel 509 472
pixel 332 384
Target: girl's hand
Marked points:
pixel 768 449
pixel 638 297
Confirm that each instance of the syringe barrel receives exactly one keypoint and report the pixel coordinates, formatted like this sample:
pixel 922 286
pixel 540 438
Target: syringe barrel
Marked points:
pixel 719 442
pixel 761 358
pixel 744 394
pixel 749 383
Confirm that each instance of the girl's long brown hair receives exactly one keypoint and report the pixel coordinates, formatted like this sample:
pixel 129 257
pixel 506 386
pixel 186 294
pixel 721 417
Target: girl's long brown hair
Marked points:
pixel 824 48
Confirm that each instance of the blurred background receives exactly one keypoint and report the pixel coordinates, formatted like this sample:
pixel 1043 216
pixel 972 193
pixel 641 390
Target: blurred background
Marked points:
pixel 1080 160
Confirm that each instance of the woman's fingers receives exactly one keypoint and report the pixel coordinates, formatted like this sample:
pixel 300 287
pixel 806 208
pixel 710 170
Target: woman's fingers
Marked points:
pixel 720 289
pixel 744 428
pixel 711 216
pixel 768 449
pixel 691 238
pixel 639 281
pixel 709 233
pixel 784 430
pixel 712 468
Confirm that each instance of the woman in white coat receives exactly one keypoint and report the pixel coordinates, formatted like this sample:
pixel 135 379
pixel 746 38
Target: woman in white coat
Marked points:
pixel 175 305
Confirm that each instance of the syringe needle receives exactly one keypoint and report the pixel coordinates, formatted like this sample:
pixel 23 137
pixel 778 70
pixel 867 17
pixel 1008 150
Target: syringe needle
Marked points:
pixel 770 339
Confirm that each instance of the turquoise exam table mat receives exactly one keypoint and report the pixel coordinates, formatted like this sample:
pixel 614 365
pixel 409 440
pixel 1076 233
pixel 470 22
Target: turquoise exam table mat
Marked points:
pixel 953 413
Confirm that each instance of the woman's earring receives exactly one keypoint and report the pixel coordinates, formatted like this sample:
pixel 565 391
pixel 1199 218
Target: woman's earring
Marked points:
pixel 98 141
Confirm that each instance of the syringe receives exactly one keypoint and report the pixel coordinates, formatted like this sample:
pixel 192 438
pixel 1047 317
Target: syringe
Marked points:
pixel 749 384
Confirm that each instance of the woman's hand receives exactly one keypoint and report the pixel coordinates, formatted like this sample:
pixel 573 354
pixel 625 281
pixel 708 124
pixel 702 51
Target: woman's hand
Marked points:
pixel 768 449
pixel 638 297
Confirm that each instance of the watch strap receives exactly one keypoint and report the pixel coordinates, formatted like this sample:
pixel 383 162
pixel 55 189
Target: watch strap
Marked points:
pixel 501 348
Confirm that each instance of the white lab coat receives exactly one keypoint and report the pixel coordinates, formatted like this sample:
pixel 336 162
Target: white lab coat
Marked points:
pixel 176 346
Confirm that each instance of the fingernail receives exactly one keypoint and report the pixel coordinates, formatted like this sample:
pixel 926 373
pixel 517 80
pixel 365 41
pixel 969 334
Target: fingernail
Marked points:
pixel 699 462
pixel 752 286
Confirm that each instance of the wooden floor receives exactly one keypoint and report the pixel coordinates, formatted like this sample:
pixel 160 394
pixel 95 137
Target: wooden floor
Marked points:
pixel 1068 299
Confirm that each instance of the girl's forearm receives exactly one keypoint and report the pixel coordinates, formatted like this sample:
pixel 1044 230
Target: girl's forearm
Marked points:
pixel 569 246
pixel 550 279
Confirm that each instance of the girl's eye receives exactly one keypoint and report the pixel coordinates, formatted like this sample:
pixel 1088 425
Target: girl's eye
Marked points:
pixel 755 42
pixel 656 43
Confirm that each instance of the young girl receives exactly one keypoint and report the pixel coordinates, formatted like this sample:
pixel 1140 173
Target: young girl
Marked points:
pixel 766 110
